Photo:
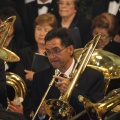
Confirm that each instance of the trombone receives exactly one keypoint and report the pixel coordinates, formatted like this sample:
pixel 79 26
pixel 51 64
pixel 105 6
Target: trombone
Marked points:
pixel 60 108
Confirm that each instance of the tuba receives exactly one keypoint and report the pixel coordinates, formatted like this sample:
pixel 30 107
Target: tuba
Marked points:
pixel 105 62
pixel 15 84
pixel 60 108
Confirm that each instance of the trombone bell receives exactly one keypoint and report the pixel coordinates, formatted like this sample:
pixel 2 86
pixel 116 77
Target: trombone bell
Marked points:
pixel 58 109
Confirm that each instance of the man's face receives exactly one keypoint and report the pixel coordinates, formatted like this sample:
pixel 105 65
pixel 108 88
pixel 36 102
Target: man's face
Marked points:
pixel 59 55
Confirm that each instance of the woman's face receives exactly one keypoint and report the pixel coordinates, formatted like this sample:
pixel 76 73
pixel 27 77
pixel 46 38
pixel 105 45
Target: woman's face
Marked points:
pixel 66 8
pixel 105 37
pixel 40 32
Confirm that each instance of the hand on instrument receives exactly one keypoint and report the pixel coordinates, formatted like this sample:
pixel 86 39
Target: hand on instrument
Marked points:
pixel 42 109
pixel 29 74
pixel 13 107
pixel 63 84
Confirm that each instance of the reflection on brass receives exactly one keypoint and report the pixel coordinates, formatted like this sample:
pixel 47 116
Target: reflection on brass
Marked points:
pixel 104 61
pixel 18 85
pixel 5 28
pixel 8 56
pixel 60 108
pixel 97 111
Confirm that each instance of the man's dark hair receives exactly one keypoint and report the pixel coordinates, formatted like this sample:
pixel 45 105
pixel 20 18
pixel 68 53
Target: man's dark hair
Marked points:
pixel 63 34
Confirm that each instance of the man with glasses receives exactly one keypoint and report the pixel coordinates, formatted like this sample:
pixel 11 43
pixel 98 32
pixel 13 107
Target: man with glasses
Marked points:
pixel 60 50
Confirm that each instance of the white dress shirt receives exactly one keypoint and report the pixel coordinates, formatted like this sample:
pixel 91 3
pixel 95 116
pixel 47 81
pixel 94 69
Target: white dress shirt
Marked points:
pixel 44 9
pixel 113 7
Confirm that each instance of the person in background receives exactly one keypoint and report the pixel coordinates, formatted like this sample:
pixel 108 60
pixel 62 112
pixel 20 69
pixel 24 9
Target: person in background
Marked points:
pixel 71 17
pixel 3 89
pixel 117 36
pixel 16 38
pixel 110 6
pixel 42 25
pixel 36 7
pixel 107 25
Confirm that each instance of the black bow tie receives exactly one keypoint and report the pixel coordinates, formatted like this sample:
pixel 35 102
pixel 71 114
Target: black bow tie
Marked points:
pixel 41 5
pixel 116 0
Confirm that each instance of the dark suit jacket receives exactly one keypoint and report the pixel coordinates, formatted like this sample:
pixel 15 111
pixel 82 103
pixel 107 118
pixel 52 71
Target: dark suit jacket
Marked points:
pixel 3 90
pixel 29 14
pixel 100 7
pixel 90 85
pixel 84 26
pixel 26 55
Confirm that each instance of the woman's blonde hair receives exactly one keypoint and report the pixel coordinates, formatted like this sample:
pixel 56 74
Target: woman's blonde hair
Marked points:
pixel 47 18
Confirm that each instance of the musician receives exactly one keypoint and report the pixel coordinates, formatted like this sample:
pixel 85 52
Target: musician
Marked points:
pixel 59 49
pixel 3 90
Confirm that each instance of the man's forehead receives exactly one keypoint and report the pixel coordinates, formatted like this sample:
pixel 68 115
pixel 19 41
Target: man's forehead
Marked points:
pixel 52 44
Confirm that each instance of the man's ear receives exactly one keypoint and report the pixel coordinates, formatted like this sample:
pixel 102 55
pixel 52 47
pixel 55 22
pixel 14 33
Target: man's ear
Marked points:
pixel 71 49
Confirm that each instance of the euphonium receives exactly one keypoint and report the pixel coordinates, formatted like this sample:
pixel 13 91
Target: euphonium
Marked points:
pixel 60 108
pixel 5 27
pixel 97 111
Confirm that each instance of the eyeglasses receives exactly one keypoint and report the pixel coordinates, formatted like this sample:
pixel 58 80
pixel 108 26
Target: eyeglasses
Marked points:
pixel 65 3
pixel 103 37
pixel 54 51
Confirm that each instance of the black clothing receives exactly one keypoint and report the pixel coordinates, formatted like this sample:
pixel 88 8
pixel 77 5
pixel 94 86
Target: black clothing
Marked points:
pixel 90 85
pixel 26 55
pixel 18 42
pixel 113 47
pixel 102 6
pixel 84 26
pixel 3 90
pixel 29 14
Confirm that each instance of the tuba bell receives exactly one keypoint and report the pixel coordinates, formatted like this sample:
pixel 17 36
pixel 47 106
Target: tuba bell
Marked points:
pixel 5 27
pixel 16 87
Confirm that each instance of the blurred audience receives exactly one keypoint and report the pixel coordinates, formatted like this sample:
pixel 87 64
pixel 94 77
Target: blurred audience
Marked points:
pixel 42 25
pixel 110 6
pixel 31 10
pixel 72 18
pixel 16 37
pixel 107 25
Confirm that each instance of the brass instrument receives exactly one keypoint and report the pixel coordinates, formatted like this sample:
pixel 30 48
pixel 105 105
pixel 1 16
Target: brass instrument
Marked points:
pixel 16 86
pixel 106 62
pixel 97 111
pixel 5 27
pixel 12 80
pixel 46 93
pixel 60 108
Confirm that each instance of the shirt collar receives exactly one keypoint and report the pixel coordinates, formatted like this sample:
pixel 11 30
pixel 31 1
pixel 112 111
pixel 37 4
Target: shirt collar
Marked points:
pixel 39 2
pixel 68 72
